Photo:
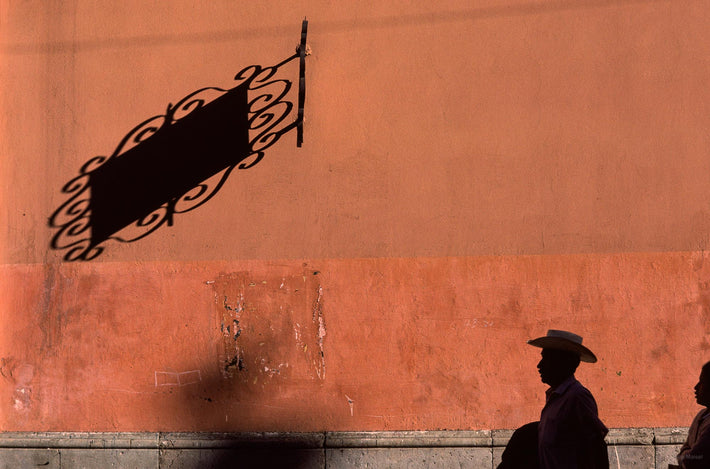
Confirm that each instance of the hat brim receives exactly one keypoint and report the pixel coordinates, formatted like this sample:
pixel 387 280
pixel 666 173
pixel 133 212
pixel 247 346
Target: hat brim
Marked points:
pixel 559 343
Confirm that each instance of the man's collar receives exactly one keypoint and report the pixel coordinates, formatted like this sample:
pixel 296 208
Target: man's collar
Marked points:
pixel 562 387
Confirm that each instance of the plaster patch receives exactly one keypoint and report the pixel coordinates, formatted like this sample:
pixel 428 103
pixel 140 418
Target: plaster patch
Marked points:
pixel 318 316
pixel 21 378
pixel 271 325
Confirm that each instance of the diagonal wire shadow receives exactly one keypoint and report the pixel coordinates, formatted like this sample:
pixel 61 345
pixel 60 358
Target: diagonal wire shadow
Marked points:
pixel 510 10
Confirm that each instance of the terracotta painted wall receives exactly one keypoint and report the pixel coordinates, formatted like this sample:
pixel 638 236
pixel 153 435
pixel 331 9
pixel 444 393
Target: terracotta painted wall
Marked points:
pixel 472 174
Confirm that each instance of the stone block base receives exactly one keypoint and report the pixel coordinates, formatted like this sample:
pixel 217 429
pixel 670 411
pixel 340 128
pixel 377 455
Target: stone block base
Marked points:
pixel 645 448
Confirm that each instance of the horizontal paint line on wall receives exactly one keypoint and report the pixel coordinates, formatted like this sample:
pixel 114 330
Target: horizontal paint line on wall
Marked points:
pixel 379 439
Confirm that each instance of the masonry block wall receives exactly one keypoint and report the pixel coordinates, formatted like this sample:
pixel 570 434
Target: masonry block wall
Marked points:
pixel 471 175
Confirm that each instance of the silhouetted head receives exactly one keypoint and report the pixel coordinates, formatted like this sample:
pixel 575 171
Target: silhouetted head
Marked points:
pixel 557 365
pixel 702 389
pixel 565 340
pixel 561 353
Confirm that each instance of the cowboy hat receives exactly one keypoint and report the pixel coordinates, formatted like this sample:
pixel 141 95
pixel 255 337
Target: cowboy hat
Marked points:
pixel 563 340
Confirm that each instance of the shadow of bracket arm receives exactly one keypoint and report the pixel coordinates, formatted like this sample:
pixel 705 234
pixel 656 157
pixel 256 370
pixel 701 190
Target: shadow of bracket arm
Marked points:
pixel 301 83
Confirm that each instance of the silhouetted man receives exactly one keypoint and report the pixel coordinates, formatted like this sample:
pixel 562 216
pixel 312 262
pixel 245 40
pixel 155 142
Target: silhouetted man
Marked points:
pixel 570 434
pixel 695 452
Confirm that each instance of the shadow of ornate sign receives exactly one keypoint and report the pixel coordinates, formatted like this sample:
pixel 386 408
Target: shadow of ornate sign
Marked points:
pixel 175 162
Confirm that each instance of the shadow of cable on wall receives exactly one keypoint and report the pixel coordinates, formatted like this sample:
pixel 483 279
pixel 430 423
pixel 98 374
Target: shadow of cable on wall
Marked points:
pixel 176 162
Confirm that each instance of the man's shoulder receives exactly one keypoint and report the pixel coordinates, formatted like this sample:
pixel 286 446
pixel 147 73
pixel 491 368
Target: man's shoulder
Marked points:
pixel 578 390
pixel 702 419
pixel 585 408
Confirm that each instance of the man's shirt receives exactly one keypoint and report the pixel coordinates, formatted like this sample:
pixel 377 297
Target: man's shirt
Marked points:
pixel 695 452
pixel 570 430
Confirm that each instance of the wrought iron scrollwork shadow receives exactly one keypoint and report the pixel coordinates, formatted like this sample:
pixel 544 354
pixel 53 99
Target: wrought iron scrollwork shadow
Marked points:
pixel 172 163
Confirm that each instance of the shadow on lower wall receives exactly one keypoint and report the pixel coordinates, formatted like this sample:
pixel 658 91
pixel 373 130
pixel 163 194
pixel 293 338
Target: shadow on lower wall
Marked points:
pixel 204 402
pixel 267 372
pixel 259 452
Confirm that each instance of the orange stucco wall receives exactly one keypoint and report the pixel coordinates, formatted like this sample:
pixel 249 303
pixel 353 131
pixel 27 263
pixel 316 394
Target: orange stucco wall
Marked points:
pixel 472 174
pixel 345 344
